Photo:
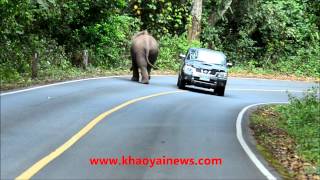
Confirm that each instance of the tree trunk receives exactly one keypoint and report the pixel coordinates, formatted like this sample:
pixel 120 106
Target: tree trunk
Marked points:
pixel 195 29
pixel 34 65
pixel 85 58
pixel 218 13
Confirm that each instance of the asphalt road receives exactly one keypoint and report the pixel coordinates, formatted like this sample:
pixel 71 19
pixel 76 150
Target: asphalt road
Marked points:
pixel 193 124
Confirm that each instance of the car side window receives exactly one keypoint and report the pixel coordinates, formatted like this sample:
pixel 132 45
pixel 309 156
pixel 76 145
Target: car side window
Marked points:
pixel 188 55
pixel 193 54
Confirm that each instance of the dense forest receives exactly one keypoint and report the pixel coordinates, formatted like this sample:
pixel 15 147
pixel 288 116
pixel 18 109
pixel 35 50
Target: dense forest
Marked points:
pixel 276 35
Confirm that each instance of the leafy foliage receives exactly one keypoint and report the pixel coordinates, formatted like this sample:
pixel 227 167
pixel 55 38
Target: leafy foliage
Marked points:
pixel 110 41
pixel 56 29
pixel 276 34
pixel 163 17
pixel 170 48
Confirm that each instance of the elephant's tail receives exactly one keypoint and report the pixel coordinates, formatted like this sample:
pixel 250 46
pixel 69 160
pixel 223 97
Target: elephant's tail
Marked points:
pixel 147 58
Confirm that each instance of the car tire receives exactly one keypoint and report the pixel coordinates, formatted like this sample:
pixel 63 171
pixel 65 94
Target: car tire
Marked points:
pixel 220 90
pixel 181 83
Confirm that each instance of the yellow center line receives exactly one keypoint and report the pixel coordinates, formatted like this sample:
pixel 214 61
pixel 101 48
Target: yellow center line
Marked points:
pixel 27 174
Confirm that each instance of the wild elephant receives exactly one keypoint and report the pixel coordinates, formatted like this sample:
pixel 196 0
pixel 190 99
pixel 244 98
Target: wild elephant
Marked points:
pixel 144 53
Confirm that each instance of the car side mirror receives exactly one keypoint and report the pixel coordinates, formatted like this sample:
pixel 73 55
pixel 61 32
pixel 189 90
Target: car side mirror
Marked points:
pixel 229 64
pixel 182 56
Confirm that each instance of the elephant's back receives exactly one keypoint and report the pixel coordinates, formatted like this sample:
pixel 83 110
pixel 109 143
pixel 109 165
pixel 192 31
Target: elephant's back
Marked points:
pixel 145 41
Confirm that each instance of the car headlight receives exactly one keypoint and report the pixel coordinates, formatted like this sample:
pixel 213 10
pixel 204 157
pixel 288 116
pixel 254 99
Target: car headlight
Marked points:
pixel 222 75
pixel 187 69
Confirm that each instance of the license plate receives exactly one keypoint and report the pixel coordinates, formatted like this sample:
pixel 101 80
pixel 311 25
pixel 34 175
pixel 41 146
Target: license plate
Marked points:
pixel 204 77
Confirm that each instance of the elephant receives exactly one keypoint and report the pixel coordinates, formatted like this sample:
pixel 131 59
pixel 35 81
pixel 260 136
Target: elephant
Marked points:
pixel 144 53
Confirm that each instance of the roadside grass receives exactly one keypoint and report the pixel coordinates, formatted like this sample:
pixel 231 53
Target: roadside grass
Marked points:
pixel 288 136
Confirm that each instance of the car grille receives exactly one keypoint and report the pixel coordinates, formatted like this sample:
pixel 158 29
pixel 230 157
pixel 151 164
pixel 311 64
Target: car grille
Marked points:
pixel 213 71
pixel 207 71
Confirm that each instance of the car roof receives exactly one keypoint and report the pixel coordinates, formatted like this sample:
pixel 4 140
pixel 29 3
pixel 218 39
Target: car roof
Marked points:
pixel 204 49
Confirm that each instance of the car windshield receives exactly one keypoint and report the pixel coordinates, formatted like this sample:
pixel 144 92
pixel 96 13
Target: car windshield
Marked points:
pixel 209 57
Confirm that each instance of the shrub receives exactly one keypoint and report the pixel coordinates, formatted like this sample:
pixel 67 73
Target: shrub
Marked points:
pixel 278 35
pixel 170 48
pixel 110 41
pixel 15 57
pixel 302 119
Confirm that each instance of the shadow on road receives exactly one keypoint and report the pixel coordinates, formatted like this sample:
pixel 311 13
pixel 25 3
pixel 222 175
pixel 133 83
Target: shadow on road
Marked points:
pixel 153 83
pixel 206 91
pixel 128 79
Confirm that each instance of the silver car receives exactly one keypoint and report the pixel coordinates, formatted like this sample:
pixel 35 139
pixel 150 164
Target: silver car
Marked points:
pixel 204 68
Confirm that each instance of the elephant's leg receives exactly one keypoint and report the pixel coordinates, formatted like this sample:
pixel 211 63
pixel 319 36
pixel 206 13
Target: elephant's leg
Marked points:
pixel 153 54
pixel 135 72
pixel 145 76
pixel 134 67
pixel 149 72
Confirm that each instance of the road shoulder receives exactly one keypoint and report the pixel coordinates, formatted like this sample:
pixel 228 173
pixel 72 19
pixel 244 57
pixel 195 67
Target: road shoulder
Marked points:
pixel 249 144
pixel 275 145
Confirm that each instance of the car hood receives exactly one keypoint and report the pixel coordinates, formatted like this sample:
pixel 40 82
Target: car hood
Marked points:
pixel 203 65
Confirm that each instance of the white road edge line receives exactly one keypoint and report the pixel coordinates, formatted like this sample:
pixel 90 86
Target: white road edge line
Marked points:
pixel 54 84
pixel 109 77
pixel 255 78
pixel 266 90
pixel 65 82
pixel 244 145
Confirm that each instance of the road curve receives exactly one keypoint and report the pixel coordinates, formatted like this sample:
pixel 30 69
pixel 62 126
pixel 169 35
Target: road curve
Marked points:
pixel 190 124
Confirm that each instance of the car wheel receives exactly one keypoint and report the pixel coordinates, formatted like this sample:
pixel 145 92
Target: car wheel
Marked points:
pixel 220 90
pixel 181 83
